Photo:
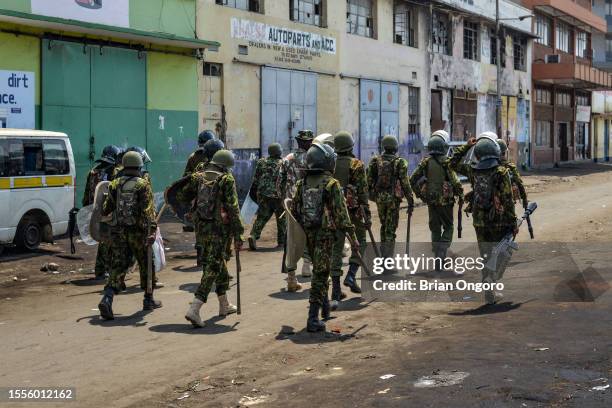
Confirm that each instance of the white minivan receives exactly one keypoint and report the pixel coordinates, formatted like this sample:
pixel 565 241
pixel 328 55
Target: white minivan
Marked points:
pixel 37 186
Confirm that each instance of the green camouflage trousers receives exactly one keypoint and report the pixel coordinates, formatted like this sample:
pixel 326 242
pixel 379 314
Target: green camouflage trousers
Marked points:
pixel 267 208
pixel 388 213
pixel 360 232
pixel 487 239
pixel 214 270
pixel 320 245
pixel 125 246
pixel 441 223
pixel 103 259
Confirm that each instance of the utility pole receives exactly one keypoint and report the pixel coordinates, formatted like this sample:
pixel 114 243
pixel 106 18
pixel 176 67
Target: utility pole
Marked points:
pixel 498 102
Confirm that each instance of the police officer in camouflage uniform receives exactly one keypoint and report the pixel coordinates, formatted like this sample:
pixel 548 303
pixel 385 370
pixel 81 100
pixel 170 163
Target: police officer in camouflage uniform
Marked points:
pixel 437 186
pixel 351 174
pixel 218 214
pixel 492 203
pixel 295 169
pixel 199 155
pixel 130 201
pixel 268 188
pixel 102 171
pixel 518 188
pixel 146 159
pixel 320 208
pixel 388 184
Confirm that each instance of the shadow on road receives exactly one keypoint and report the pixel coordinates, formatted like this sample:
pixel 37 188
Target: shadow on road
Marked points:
pixel 284 295
pixel 186 328
pixel 305 338
pixel 183 268
pixel 353 304
pixel 489 309
pixel 85 282
pixel 135 320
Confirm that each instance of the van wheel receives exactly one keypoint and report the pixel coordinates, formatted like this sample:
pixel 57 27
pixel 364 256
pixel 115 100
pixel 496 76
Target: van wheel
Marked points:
pixel 29 233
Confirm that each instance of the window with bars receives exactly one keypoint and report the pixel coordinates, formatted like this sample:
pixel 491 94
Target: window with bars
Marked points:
pixel 581 44
pixel 563 98
pixel 519 45
pixel 582 99
pixel 493 44
pixel 562 39
pixel 359 18
pixel 542 30
pixel 250 5
pixel 307 11
pixel 543 96
pixel 405 18
pixel 212 69
pixel 441 38
pixel 414 126
pixel 470 40
pixel 542 133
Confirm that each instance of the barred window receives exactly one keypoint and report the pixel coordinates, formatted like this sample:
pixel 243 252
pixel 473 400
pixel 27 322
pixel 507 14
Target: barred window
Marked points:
pixel 563 98
pixel 542 30
pixel 583 99
pixel 413 111
pixel 543 96
pixel 405 20
pixel 542 133
pixel 359 19
pixel 581 44
pixel 470 40
pixel 562 40
pixel 250 5
pixel 520 50
pixel 307 11
pixel 441 40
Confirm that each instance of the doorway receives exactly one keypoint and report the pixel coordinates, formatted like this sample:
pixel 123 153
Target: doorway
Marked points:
pixel 563 141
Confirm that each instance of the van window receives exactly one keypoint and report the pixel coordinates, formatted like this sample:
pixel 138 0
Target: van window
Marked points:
pixel 4 159
pixel 37 157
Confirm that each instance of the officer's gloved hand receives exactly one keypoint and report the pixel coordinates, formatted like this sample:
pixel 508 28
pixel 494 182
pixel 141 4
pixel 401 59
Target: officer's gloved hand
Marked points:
pixel 471 141
pixel 525 204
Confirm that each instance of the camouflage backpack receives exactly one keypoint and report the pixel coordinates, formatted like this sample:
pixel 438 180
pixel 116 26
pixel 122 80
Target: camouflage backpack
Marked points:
pixel 126 201
pixel 482 195
pixel 207 195
pixel 386 175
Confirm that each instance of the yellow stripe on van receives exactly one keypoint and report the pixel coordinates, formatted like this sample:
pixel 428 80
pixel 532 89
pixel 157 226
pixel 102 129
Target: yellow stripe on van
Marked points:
pixel 27 182
pixel 59 181
pixel 5 183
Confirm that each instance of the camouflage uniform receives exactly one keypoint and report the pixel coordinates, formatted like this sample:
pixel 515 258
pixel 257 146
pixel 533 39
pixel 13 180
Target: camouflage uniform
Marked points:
pixel 129 236
pixel 194 160
pixel 388 194
pixel 351 174
pixel 102 172
pixel 437 186
pixel 218 216
pixel 518 188
pixel 333 217
pixel 294 167
pixel 269 183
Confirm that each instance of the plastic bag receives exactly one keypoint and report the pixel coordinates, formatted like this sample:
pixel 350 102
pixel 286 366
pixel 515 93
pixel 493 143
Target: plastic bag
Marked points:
pixel 248 210
pixel 159 254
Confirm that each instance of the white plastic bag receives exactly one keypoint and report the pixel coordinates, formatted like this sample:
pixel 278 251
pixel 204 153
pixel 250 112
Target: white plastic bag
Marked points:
pixel 248 210
pixel 159 255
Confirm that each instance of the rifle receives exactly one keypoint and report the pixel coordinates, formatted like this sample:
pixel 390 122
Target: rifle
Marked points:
pixel 355 244
pixel 71 228
pixel 369 229
pixel 408 221
pixel 238 270
pixel 149 263
pixel 460 218
pixel 529 226
pixel 502 252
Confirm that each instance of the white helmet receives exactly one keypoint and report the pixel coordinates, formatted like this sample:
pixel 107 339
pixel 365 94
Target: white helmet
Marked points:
pixel 325 138
pixel 489 135
pixel 443 134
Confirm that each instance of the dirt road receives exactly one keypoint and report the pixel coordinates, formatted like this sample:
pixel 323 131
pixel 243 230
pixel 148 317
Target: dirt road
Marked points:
pixel 527 351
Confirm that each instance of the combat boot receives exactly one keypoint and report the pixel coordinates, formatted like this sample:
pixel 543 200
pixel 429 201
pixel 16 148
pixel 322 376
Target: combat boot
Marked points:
pixel 325 309
pixel 193 313
pixel 313 324
pixel 351 278
pixel 252 244
pixel 292 283
pixel 148 303
pixel 337 295
pixel 225 307
pixel 306 269
pixel 106 304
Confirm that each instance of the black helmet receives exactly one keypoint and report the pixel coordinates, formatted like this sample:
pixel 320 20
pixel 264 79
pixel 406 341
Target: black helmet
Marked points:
pixel 211 147
pixel 275 150
pixel 487 154
pixel 143 153
pixel 389 143
pixel 110 154
pixel 321 157
pixel 205 136
pixel 344 142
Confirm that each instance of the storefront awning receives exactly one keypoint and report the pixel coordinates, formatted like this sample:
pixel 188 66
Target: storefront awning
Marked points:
pixel 579 76
pixel 94 29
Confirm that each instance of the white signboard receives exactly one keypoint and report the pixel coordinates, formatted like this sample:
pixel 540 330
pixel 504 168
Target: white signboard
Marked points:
pixel 279 36
pixel 109 12
pixel 583 113
pixel 17 99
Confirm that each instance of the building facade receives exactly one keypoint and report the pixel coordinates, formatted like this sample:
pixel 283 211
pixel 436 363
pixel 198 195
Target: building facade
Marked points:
pixel 122 72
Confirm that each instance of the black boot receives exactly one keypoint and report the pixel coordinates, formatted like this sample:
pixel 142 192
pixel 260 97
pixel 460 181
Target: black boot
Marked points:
pixel 313 324
pixel 148 303
pixel 199 261
pixel 325 309
pixel 351 279
pixel 337 294
pixel 106 304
